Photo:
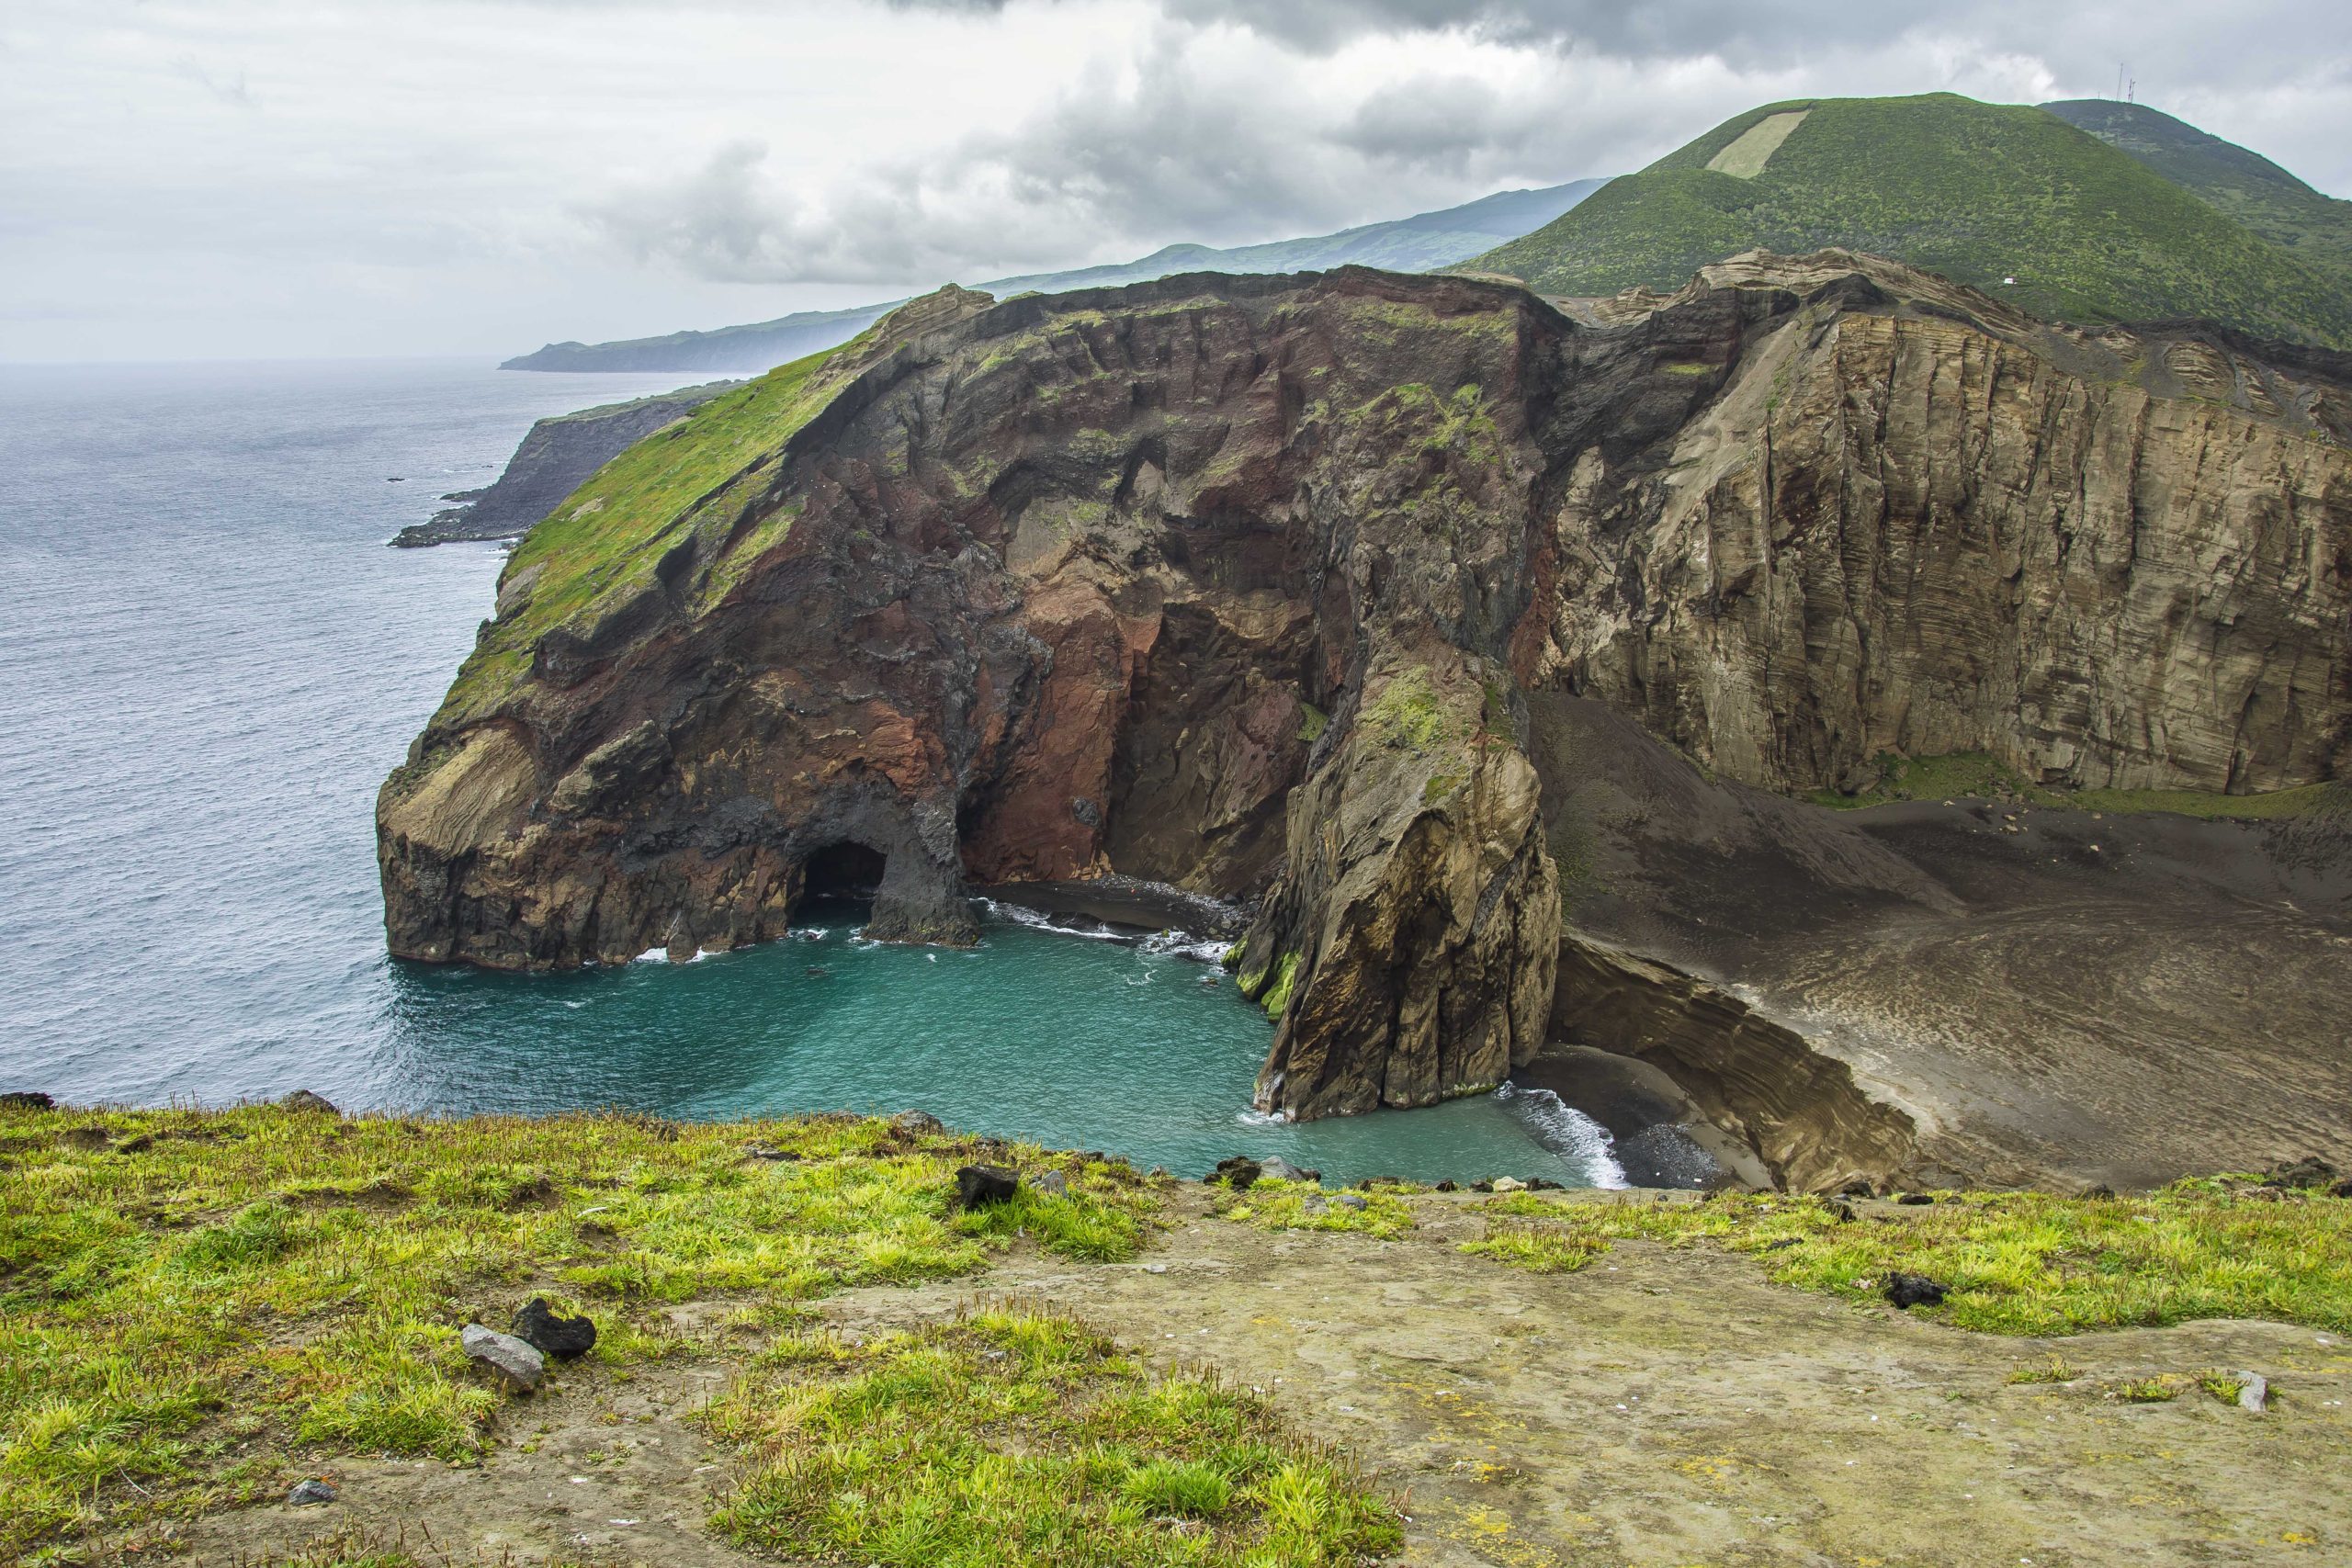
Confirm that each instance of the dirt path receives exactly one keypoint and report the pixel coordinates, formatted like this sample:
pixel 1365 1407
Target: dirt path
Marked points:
pixel 1660 1407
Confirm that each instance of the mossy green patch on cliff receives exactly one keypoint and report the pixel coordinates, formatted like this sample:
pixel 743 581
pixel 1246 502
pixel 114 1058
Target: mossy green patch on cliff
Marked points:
pixel 598 549
pixel 1285 975
pixel 184 1295
pixel 1975 775
pixel 1408 713
pixel 2013 1262
pixel 1015 1437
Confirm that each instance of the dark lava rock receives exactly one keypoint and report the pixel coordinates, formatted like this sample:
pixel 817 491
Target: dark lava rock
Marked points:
pixel 1237 1171
pixel 1916 1197
pixel 979 1185
pixel 1447 1186
pixel 1487 1185
pixel 2341 1189
pixel 1282 1169
pixel 917 1121
pixel 562 1337
pixel 1544 1184
pixel 1858 1189
pixel 2100 1193
pixel 2307 1172
pixel 303 1099
pixel 307 1493
pixel 1908 1290
pixel 1843 1211
pixel 25 1100
pixel 1783 1244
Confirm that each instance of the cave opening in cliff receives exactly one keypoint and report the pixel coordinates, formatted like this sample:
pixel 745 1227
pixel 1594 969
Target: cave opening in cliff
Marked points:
pixel 846 870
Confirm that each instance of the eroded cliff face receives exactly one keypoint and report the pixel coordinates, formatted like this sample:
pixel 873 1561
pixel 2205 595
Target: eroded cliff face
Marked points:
pixel 1913 521
pixel 1236 584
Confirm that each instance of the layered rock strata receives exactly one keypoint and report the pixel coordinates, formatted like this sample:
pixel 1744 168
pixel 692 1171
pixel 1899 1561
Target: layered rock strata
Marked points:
pixel 1239 584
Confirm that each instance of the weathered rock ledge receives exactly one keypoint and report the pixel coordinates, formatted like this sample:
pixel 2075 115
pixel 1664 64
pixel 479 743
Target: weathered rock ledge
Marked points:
pixel 1249 585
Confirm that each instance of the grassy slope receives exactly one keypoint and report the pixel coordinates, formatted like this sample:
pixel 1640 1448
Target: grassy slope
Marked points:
pixel 2013 1262
pixel 1973 191
pixel 186 1297
pixel 2243 184
pixel 599 546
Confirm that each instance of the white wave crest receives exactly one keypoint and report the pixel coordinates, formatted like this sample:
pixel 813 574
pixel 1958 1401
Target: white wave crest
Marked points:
pixel 1566 1131
pixel 1015 915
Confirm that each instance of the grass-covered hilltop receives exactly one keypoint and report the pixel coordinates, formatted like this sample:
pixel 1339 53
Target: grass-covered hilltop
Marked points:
pixel 243 1335
pixel 2165 223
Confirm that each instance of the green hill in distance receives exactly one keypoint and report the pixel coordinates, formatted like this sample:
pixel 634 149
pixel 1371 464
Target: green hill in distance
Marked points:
pixel 1422 243
pixel 1981 193
pixel 2248 186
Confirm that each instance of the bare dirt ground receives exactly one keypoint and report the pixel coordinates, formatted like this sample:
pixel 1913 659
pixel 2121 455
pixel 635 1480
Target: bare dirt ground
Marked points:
pixel 1660 1407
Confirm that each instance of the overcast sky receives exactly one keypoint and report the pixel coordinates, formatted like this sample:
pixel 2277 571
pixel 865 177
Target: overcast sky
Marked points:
pixel 248 178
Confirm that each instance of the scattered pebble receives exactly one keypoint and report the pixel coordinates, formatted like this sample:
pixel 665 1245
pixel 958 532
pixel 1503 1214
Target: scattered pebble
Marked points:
pixel 307 1493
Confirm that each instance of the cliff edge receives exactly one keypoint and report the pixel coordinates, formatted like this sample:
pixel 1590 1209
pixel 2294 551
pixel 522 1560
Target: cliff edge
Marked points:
pixel 1245 583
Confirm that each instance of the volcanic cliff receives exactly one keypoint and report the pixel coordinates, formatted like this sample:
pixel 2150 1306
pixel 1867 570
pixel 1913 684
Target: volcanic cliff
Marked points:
pixel 1278 585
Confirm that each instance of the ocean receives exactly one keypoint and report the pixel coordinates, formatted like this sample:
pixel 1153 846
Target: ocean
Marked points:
pixel 211 660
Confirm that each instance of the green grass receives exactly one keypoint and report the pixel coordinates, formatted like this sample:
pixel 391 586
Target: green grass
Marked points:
pixel 187 1296
pixel 2013 1262
pixel 599 546
pixel 1407 713
pixel 1974 774
pixel 1976 192
pixel 1016 1437
pixel 2250 187
pixel 1277 1205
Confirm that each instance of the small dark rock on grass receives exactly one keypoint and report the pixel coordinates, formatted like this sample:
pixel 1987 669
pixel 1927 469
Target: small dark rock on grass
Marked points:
pixel 1237 1171
pixel 303 1099
pixel 1908 1290
pixel 308 1493
pixel 977 1185
pixel 917 1121
pixel 2309 1172
pixel 1916 1197
pixel 25 1100
pixel 562 1337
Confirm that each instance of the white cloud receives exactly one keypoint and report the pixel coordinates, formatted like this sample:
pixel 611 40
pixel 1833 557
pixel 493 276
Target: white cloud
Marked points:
pixel 479 175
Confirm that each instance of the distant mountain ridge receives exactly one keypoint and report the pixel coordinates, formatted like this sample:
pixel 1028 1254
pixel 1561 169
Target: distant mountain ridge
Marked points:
pixel 1421 242
pixel 2143 220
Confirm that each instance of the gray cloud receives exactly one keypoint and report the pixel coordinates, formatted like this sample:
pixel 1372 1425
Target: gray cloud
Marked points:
pixel 479 174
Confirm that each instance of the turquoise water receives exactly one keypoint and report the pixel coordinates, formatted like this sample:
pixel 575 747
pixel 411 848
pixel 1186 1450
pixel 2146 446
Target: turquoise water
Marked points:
pixel 1068 1040
pixel 212 661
